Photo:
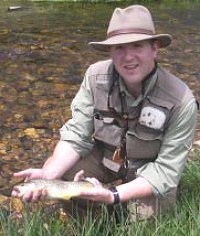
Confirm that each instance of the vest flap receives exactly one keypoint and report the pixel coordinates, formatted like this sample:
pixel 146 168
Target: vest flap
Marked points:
pixel 160 102
pixel 145 133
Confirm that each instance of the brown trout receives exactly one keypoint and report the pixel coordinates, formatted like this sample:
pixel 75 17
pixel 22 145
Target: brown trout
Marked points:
pixel 56 189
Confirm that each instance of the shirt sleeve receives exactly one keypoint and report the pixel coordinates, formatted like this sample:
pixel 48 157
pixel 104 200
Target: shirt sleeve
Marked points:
pixel 165 172
pixel 79 129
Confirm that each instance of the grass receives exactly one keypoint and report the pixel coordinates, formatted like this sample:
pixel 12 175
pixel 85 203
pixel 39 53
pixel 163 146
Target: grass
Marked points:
pixel 184 220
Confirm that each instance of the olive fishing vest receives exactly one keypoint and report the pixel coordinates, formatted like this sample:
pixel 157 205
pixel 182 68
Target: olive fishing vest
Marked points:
pixel 143 126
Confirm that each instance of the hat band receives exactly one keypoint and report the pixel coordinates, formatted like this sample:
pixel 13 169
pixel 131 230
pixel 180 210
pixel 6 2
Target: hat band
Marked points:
pixel 129 31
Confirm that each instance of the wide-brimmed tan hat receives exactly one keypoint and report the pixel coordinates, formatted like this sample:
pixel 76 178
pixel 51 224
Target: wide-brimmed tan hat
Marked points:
pixel 131 24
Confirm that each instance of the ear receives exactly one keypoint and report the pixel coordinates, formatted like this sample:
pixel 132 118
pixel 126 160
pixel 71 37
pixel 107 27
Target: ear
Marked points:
pixel 155 47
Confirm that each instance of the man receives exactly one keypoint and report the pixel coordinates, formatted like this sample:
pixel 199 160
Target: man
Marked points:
pixel 131 120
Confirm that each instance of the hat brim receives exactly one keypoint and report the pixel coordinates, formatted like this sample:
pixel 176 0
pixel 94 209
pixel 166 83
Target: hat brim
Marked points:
pixel 164 40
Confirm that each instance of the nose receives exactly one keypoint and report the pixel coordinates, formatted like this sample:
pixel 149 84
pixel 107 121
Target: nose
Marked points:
pixel 129 53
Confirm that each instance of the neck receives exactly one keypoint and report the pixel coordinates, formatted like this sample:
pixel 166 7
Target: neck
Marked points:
pixel 134 89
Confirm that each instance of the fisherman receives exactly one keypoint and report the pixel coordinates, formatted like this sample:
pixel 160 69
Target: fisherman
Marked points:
pixel 132 121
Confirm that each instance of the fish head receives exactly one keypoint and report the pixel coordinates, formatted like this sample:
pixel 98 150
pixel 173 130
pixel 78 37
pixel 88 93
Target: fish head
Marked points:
pixel 22 188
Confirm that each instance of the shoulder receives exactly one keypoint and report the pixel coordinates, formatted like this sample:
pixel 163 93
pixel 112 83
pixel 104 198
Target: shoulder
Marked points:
pixel 173 88
pixel 100 67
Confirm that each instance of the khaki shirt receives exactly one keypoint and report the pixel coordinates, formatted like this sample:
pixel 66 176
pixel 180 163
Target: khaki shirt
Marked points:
pixel 164 173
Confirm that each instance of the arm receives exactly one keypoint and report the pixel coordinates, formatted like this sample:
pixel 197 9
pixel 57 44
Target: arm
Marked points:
pixel 55 166
pixel 79 129
pixel 164 173
pixel 63 158
pixel 139 188
pixel 75 140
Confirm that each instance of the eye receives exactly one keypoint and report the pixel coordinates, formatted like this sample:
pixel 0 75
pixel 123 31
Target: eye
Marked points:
pixel 138 45
pixel 118 47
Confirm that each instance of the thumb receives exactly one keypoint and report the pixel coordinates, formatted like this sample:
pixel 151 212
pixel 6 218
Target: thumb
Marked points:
pixel 26 174
pixel 79 175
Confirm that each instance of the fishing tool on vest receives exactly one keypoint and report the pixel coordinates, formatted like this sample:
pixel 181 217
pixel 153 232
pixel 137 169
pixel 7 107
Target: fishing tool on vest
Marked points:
pixel 119 155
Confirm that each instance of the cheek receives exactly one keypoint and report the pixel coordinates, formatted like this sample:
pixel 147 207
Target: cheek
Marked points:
pixel 116 59
pixel 150 57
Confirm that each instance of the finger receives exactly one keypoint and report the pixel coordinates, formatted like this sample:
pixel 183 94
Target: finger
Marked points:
pixel 79 175
pixel 94 181
pixel 37 195
pixel 23 173
pixel 27 196
pixel 27 178
pixel 43 194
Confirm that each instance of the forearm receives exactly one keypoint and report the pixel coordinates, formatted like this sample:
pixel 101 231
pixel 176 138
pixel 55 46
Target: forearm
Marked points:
pixel 138 188
pixel 63 158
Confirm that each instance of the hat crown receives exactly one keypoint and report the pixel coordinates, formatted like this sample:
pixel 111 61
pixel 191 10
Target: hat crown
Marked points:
pixel 133 17
pixel 129 25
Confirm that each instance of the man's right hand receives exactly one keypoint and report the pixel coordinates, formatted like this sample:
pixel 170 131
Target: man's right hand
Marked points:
pixel 28 175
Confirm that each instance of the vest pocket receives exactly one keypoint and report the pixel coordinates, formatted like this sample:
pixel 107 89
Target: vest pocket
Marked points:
pixel 107 131
pixel 143 143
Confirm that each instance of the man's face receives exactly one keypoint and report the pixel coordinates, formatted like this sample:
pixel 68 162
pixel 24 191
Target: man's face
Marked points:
pixel 134 61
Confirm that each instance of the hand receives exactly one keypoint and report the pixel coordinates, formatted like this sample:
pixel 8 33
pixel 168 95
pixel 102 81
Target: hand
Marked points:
pixel 28 175
pixel 98 193
pixel 31 174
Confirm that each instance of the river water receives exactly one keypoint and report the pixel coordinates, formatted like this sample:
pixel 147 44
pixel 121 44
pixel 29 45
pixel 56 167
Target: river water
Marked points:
pixel 43 57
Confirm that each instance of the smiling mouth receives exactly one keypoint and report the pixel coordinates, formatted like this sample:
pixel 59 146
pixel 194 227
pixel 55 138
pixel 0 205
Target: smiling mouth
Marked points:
pixel 131 67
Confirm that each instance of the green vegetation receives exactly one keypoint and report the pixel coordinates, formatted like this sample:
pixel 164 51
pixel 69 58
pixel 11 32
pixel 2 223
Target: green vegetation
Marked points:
pixel 184 220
